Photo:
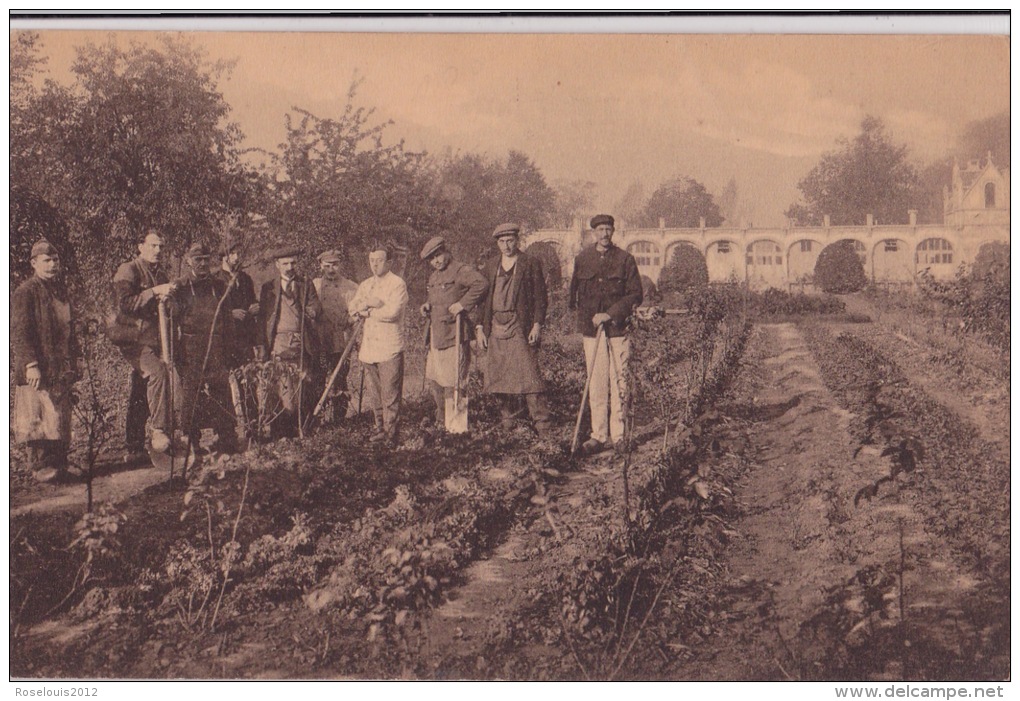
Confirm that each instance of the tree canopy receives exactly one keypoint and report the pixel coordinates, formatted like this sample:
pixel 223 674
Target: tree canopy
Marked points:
pixel 839 270
pixel 682 202
pixel 868 175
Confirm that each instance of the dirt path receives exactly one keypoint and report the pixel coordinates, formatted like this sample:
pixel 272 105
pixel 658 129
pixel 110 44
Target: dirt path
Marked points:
pixel 810 564
pixel 109 488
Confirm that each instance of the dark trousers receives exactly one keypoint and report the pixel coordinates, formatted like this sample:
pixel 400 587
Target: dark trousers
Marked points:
pixel 385 383
pixel 146 362
pixel 44 455
pixel 513 406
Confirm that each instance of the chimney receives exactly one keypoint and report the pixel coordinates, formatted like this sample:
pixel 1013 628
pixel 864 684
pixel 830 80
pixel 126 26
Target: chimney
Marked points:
pixel 870 220
pixel 827 221
pixel 912 213
pixel 701 222
pixel 662 222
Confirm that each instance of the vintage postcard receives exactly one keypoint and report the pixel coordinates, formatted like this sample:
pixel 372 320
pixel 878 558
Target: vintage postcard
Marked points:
pixel 509 355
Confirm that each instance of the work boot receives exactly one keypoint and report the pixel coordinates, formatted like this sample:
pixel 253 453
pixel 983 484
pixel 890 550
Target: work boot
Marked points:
pixel 593 446
pixel 160 441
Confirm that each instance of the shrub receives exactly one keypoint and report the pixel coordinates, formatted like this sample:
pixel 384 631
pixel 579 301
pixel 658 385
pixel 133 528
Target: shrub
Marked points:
pixel 685 269
pixel 839 269
pixel 551 266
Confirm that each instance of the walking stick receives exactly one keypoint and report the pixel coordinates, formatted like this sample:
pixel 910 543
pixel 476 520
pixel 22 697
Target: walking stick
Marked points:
pixel 333 375
pixel 587 386
pixel 361 385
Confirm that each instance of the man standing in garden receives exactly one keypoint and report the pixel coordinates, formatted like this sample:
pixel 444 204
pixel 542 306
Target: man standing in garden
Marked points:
pixel 42 342
pixel 380 301
pixel 335 324
pixel 289 309
pixel 511 329
pixel 138 287
pixel 206 333
pixel 241 304
pixel 605 289
pixel 455 291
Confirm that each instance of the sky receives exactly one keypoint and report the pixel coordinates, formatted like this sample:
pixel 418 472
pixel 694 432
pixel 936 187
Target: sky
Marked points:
pixel 612 108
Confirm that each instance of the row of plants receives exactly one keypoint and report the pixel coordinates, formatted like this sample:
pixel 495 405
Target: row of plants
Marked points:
pixel 963 487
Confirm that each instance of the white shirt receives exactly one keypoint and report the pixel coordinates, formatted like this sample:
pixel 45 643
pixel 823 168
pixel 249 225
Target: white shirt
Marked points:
pixel 382 338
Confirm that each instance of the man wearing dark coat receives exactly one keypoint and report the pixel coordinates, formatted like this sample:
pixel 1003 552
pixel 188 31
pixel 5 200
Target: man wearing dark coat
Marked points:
pixel 204 347
pixel 43 344
pixel 138 287
pixel 605 289
pixel 289 310
pixel 511 329
pixel 241 305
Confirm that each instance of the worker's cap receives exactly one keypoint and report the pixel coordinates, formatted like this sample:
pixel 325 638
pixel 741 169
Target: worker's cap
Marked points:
pixel 199 250
pixel 42 247
pixel 600 219
pixel 508 229
pixel 285 252
pixel 330 256
pixel 434 246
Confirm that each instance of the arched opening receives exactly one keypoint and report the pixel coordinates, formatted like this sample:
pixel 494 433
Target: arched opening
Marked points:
pixel 934 251
pixel 801 257
pixel 765 264
pixel 989 195
pixel 725 264
pixel 673 247
pixel 646 254
pixel 891 263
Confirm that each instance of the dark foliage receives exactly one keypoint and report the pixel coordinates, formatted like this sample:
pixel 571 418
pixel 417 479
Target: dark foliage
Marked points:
pixel 839 269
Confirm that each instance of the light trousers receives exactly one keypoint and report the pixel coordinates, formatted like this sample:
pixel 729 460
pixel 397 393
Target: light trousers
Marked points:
pixel 609 389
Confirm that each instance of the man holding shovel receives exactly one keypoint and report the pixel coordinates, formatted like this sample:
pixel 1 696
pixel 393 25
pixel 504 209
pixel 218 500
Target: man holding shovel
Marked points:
pixel 605 289
pixel 455 291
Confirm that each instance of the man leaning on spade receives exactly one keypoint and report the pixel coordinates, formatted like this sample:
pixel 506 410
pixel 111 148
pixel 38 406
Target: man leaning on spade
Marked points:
pixel 455 292
pixel 605 289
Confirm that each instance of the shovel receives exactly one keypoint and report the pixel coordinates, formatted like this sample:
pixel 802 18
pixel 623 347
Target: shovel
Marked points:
pixel 167 459
pixel 457 406
pixel 332 377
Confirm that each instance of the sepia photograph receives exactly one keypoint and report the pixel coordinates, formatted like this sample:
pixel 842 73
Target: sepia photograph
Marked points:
pixel 524 352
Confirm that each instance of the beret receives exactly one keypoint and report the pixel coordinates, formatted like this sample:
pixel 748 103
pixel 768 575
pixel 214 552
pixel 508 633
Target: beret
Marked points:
pixel 198 249
pixel 600 219
pixel 42 247
pixel 434 245
pixel 330 256
pixel 285 252
pixel 507 229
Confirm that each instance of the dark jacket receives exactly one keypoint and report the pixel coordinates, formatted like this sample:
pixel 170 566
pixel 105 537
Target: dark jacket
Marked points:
pixel 531 300
pixel 458 282
pixel 137 309
pixel 35 332
pixel 195 302
pixel 244 334
pixel 269 313
pixel 605 282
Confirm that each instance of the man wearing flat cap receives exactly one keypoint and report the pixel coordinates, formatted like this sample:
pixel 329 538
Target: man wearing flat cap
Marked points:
pixel 335 325
pixel 44 353
pixel 241 304
pixel 511 329
pixel 455 291
pixel 605 289
pixel 138 287
pixel 204 348
pixel 289 310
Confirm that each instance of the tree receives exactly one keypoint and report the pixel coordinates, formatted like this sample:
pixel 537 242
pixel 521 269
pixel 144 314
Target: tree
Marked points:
pixel 982 136
pixel 682 202
pixel 686 269
pixel 478 193
pixel 869 175
pixel 140 139
pixel 551 264
pixel 630 205
pixel 573 198
pixel 839 270
pixel 337 185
